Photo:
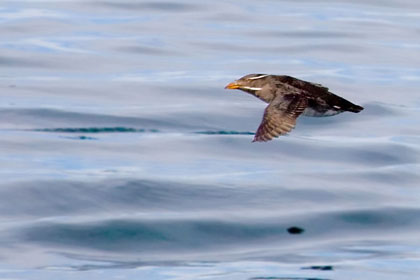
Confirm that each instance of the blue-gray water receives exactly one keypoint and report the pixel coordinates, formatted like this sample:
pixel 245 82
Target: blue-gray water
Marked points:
pixel 122 156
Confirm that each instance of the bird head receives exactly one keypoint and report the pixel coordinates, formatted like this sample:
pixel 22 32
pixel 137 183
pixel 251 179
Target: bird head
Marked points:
pixel 250 83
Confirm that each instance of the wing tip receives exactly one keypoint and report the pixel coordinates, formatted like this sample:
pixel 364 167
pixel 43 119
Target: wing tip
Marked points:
pixel 259 138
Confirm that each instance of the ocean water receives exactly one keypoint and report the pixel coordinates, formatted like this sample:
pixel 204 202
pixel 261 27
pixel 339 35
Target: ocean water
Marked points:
pixel 123 157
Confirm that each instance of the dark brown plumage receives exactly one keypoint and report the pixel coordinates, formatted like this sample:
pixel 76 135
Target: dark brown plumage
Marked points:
pixel 287 99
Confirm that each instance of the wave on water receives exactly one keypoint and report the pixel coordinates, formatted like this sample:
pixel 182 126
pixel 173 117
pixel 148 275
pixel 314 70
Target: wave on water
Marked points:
pixel 223 132
pixel 133 130
pixel 117 129
pixel 205 234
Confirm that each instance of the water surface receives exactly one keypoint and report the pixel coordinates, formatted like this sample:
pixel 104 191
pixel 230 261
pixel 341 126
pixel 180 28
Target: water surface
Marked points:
pixel 123 157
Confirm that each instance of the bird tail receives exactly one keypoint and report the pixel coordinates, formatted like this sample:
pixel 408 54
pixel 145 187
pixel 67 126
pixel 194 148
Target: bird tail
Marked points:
pixel 346 105
pixel 354 108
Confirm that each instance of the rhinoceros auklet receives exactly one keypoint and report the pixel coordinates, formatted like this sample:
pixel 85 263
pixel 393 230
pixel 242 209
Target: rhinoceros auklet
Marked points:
pixel 287 99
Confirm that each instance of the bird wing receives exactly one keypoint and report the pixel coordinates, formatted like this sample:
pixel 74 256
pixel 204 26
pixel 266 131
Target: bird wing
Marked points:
pixel 280 116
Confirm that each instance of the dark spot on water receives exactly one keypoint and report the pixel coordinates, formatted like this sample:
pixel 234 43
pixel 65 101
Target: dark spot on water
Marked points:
pixel 86 138
pixel 320 267
pixel 295 230
pixel 81 138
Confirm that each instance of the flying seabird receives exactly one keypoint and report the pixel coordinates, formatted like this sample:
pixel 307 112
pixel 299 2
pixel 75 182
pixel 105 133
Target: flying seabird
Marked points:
pixel 287 99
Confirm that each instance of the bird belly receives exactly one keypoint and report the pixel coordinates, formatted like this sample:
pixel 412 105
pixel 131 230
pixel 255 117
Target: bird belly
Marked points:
pixel 320 112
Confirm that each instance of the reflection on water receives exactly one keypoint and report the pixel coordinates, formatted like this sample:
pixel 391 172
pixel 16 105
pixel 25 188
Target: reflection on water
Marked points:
pixel 122 156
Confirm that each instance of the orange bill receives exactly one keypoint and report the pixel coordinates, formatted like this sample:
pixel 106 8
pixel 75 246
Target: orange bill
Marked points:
pixel 232 85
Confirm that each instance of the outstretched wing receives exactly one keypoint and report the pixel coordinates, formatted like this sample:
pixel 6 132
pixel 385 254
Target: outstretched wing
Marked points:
pixel 280 116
